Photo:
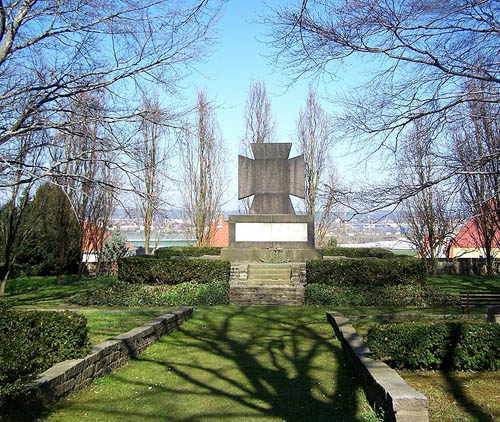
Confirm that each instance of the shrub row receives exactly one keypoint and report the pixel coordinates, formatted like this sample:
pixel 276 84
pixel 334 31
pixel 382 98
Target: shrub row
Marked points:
pixel 389 295
pixel 434 345
pixel 123 294
pixel 357 252
pixel 33 341
pixel 170 271
pixel 186 251
pixel 366 272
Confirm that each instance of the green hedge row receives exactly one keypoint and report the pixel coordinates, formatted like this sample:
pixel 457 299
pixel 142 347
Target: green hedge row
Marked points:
pixel 170 271
pixel 366 272
pixel 186 251
pixel 123 294
pixel 357 252
pixel 33 341
pixel 388 295
pixel 434 345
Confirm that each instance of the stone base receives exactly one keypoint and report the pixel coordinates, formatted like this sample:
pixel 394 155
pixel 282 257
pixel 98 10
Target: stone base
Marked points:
pixel 257 254
pixel 239 294
pixel 279 230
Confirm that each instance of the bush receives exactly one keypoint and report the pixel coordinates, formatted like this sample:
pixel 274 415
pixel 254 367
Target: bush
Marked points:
pixel 389 295
pixel 33 341
pixel 366 272
pixel 186 251
pixel 435 345
pixel 123 294
pixel 170 271
pixel 357 252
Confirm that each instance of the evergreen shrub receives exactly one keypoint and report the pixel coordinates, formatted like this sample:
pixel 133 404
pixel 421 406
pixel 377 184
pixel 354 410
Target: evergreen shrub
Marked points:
pixel 436 345
pixel 170 271
pixel 124 294
pixel 388 295
pixel 186 251
pixel 357 252
pixel 366 272
pixel 33 341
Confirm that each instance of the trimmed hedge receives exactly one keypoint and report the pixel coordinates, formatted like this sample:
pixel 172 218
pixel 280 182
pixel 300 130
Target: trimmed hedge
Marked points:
pixel 123 294
pixel 357 252
pixel 435 345
pixel 170 271
pixel 33 341
pixel 388 295
pixel 366 272
pixel 186 251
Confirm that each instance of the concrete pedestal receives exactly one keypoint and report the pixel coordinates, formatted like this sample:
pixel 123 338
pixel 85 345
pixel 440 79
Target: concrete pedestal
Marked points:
pixel 256 236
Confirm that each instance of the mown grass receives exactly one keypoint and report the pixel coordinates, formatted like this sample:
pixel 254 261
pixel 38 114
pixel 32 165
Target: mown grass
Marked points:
pixel 457 283
pixel 43 292
pixel 103 325
pixel 458 396
pixel 231 364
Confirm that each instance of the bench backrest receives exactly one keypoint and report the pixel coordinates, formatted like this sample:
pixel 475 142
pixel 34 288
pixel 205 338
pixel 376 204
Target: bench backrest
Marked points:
pixel 480 298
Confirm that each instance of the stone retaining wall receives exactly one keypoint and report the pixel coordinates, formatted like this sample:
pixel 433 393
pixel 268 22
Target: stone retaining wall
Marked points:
pixel 72 375
pixel 383 386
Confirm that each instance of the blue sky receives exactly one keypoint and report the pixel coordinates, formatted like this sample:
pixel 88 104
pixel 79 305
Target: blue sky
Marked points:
pixel 240 56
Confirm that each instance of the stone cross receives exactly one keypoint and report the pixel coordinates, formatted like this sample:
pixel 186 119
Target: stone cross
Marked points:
pixel 271 177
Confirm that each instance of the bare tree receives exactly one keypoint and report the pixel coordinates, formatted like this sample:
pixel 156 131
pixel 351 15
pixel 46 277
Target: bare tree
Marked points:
pixel 88 181
pixel 315 138
pixel 52 51
pixel 429 214
pixel 203 169
pixel 475 137
pixel 259 124
pixel 425 51
pixel 150 160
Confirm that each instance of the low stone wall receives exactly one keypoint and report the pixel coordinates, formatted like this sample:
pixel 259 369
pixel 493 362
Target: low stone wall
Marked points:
pixel 383 386
pixel 72 375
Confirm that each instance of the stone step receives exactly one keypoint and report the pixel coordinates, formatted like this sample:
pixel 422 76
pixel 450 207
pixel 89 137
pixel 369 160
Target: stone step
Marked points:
pixel 282 276
pixel 266 295
pixel 280 282
pixel 270 270
pixel 269 266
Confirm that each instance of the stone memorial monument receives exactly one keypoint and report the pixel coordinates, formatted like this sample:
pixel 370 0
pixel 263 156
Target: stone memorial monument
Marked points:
pixel 272 225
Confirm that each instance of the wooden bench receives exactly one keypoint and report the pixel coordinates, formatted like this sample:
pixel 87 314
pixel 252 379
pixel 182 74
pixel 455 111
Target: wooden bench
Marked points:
pixel 478 298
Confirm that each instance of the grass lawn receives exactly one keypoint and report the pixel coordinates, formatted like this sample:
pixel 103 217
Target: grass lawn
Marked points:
pixel 42 292
pixel 231 364
pixel 458 396
pixel 456 283
pixel 103 325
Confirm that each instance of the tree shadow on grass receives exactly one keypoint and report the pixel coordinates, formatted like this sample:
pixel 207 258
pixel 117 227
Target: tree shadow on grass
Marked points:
pixel 244 363
pixel 456 390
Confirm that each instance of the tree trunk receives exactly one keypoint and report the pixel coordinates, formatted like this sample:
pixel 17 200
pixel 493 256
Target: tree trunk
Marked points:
pixel 4 284
pixel 58 279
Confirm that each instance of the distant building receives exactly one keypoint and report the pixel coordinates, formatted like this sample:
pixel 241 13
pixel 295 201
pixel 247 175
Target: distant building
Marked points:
pixel 468 242
pixel 93 240
pixel 220 232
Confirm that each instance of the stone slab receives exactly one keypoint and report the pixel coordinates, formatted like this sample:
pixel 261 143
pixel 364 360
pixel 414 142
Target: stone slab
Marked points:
pixel 494 314
pixel 270 232
pixel 277 221
pixel 256 254
pixel 382 384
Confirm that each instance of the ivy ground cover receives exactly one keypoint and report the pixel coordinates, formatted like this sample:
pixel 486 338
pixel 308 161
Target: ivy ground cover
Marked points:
pixel 231 364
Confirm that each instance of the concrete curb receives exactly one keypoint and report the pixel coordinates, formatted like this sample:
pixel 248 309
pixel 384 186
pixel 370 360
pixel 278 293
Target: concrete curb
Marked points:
pixel 383 386
pixel 72 375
